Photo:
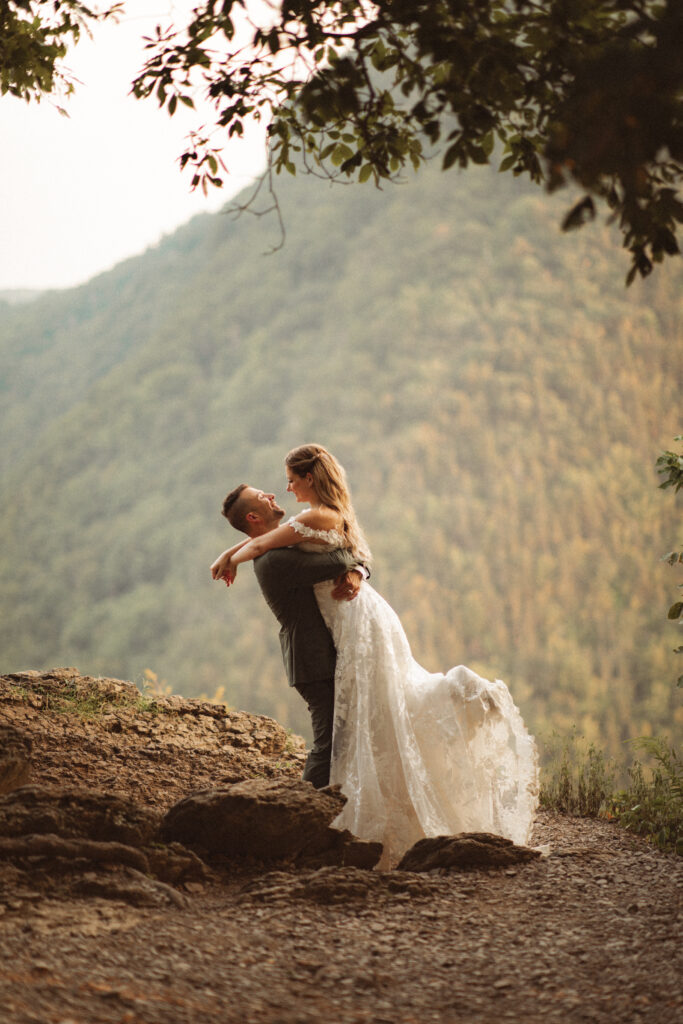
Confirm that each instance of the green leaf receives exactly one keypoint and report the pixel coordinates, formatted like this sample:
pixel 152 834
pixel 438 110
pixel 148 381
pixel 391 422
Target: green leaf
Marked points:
pixel 477 155
pixel 365 172
pixel 676 610
pixel 579 214
pixel 451 156
pixel 341 153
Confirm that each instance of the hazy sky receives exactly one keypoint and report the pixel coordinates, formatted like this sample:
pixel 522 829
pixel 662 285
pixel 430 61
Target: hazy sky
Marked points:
pixel 79 194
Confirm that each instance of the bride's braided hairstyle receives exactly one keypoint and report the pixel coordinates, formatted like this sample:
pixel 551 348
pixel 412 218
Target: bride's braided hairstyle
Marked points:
pixel 329 480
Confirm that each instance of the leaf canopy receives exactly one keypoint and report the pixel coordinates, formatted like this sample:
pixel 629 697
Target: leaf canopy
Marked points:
pixel 34 38
pixel 582 91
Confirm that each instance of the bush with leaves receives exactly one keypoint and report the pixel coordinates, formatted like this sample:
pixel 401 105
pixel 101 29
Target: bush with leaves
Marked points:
pixel 576 779
pixel 671 464
pixel 580 780
pixel 653 806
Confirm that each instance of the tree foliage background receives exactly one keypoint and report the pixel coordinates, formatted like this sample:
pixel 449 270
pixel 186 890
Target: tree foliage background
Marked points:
pixel 498 398
pixel 581 91
pixel 35 37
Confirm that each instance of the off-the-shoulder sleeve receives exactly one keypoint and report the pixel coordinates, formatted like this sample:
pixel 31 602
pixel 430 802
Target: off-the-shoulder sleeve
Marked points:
pixel 333 537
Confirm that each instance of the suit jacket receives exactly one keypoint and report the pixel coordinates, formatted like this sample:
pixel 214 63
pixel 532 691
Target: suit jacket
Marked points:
pixel 286 577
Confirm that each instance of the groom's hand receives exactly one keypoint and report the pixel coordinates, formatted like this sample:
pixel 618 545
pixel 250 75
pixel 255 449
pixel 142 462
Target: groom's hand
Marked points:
pixel 346 587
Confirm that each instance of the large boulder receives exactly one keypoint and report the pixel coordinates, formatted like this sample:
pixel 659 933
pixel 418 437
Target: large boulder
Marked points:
pixel 466 850
pixel 76 830
pixel 74 813
pixel 268 820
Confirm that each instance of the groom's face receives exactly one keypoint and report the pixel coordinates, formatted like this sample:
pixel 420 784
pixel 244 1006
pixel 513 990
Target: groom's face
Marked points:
pixel 264 506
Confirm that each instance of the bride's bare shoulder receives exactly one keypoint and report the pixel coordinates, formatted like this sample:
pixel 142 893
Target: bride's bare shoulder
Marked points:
pixel 320 519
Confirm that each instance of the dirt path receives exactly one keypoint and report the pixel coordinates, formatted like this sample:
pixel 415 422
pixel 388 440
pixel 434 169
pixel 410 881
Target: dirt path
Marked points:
pixel 589 934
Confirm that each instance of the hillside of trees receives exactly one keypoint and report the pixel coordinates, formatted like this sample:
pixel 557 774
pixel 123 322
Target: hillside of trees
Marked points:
pixel 496 395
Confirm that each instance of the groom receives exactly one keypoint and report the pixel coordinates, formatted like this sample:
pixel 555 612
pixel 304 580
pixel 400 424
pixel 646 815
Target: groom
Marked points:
pixel 286 577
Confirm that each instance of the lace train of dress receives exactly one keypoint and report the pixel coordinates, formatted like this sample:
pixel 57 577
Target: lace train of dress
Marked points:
pixel 418 753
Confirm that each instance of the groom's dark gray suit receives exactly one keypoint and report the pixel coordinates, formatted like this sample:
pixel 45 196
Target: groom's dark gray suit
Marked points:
pixel 286 577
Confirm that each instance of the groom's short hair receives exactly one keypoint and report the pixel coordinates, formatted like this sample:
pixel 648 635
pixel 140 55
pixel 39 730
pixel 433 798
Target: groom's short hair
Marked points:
pixel 236 507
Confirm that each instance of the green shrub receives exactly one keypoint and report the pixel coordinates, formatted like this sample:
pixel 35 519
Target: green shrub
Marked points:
pixel 652 805
pixel 580 780
pixel 577 780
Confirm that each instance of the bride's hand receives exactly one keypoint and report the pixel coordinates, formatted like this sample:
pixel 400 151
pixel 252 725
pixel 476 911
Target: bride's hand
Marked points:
pixel 220 565
pixel 229 574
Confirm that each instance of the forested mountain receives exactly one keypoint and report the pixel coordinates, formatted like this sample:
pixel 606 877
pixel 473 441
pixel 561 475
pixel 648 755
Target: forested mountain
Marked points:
pixel 496 395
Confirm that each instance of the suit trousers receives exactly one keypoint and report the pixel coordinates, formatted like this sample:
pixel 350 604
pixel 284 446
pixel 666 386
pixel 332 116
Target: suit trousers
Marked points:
pixel 319 697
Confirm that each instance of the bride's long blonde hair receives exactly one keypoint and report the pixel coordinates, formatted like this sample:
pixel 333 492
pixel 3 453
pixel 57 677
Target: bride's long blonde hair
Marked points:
pixel 329 480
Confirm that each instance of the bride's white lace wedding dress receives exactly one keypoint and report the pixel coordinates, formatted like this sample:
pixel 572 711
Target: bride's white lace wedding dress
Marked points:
pixel 419 753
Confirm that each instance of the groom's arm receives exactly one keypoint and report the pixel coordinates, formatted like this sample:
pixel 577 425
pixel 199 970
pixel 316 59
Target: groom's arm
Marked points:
pixel 292 568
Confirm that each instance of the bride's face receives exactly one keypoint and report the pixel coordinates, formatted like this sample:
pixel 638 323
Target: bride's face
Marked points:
pixel 301 486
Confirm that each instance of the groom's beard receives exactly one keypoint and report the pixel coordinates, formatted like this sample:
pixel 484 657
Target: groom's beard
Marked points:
pixel 277 514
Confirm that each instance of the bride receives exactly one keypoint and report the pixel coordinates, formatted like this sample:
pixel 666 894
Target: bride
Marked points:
pixel 416 753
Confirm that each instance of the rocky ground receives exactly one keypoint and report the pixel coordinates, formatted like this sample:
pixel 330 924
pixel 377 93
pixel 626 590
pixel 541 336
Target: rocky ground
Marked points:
pixel 116 909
